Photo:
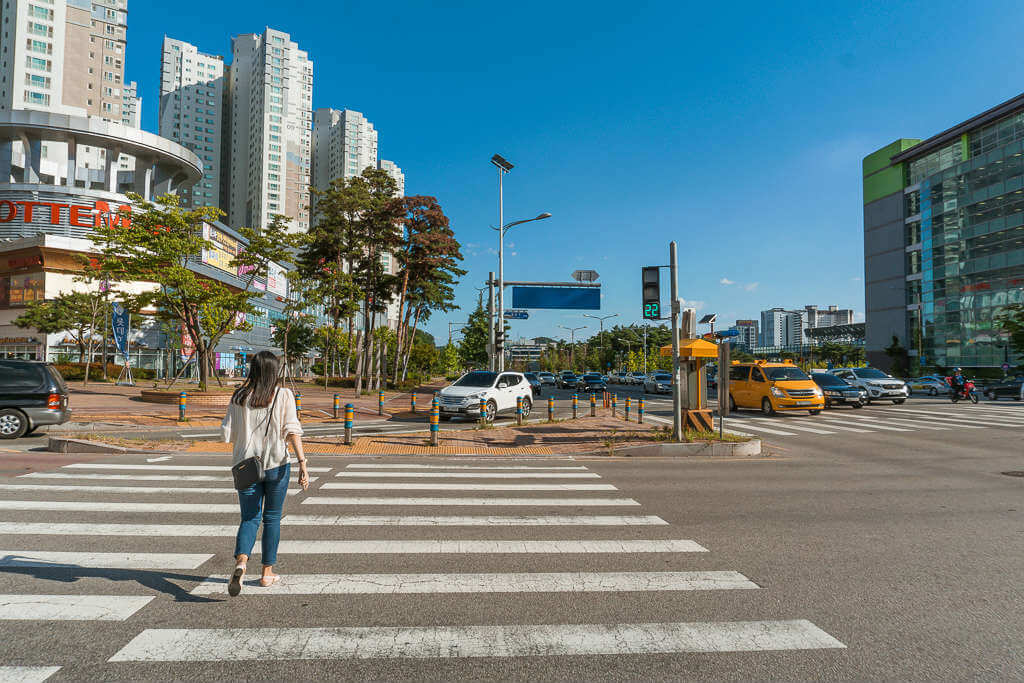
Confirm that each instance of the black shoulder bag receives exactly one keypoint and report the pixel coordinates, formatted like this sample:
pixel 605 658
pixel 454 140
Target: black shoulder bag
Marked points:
pixel 250 470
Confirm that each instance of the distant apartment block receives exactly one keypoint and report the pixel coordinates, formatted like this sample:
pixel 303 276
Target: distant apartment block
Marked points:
pixel 270 99
pixel 344 145
pixel 748 333
pixel 833 315
pixel 392 169
pixel 192 86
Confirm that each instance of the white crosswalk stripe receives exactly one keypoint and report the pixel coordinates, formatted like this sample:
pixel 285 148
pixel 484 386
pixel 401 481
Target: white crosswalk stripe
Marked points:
pixel 567 582
pixel 973 419
pixel 103 536
pixel 874 423
pixel 26 674
pixel 747 424
pixel 788 424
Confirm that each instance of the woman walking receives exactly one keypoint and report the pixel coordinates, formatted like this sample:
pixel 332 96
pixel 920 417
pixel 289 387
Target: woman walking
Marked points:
pixel 261 418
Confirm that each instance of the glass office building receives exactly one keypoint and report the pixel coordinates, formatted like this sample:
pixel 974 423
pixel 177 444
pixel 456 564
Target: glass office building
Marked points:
pixel 944 241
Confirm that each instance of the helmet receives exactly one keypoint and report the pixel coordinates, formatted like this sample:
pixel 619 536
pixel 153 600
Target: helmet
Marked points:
pixel 957 370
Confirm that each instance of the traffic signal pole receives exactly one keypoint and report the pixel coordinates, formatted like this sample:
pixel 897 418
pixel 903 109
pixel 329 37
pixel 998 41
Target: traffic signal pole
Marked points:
pixel 490 326
pixel 677 415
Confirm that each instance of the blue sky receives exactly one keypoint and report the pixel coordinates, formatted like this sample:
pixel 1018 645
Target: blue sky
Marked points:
pixel 736 130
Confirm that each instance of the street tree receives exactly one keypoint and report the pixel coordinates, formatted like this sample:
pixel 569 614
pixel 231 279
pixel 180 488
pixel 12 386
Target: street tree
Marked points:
pixel 79 314
pixel 473 345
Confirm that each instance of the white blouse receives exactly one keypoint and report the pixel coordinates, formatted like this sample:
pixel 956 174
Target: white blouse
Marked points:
pixel 245 428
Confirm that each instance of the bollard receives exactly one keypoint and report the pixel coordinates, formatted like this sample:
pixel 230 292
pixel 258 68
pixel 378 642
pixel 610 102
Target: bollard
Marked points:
pixel 519 410
pixel 182 402
pixel 412 399
pixel 593 405
pixel 627 408
pixel 350 411
pixel 380 402
pixel 435 422
pixel 615 403
pixel 298 404
pixel 551 408
pixel 575 402
pixel 337 405
pixel 483 412
pixel 640 411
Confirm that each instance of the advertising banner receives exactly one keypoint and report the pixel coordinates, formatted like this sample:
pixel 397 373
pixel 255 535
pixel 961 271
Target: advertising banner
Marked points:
pixel 188 348
pixel 276 282
pixel 120 324
pixel 223 250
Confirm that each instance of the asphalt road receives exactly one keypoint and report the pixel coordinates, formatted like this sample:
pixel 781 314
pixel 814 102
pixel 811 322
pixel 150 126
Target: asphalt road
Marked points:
pixel 847 555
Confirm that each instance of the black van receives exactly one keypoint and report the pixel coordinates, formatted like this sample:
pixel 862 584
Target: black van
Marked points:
pixel 31 394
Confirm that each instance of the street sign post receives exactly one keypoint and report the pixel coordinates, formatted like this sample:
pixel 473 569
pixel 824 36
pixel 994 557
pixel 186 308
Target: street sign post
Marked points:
pixel 516 314
pixel 585 275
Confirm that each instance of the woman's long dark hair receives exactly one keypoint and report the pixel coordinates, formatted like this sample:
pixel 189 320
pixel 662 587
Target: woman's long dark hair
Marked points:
pixel 258 388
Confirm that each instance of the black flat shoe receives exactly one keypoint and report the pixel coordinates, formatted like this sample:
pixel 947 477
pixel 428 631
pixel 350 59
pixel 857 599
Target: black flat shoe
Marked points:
pixel 235 585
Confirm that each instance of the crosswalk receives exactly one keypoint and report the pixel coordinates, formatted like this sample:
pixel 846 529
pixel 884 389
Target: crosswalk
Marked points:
pixel 931 417
pixel 146 541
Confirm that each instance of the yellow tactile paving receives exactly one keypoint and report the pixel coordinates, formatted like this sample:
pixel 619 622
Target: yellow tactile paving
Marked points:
pixel 411 444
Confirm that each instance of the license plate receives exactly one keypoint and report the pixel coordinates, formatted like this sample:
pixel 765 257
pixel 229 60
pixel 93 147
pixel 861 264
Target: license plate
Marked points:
pixel 449 409
pixel 805 403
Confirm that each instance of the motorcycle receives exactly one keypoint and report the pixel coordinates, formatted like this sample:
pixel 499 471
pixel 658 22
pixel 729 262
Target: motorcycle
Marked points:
pixel 962 393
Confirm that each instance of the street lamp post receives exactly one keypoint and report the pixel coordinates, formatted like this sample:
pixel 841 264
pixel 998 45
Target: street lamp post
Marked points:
pixel 600 320
pixel 572 342
pixel 504 166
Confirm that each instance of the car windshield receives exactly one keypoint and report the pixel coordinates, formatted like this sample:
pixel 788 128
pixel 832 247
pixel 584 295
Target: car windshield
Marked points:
pixel 530 376
pixel 476 379
pixel 785 374
pixel 662 378
pixel 827 380
pixel 592 375
pixel 870 373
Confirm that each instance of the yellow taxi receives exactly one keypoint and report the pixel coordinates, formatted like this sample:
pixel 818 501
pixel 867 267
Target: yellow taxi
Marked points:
pixel 773 387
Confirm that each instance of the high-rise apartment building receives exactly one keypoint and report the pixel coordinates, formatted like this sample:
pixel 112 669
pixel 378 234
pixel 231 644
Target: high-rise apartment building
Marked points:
pixel 833 315
pixel 748 333
pixel 344 145
pixel 944 241
pixel 131 106
pixel 270 100
pixel 393 170
pixel 192 86
pixel 64 56
pixel 780 327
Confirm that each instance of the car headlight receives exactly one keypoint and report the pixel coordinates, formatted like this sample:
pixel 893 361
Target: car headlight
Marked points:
pixel 817 392
pixel 778 392
pixel 832 393
pixel 474 397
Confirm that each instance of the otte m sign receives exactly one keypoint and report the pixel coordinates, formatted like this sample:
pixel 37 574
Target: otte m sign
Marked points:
pixel 57 213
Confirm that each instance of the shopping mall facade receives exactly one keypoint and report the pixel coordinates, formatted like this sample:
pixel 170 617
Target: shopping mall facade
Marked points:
pixel 53 191
pixel 944 242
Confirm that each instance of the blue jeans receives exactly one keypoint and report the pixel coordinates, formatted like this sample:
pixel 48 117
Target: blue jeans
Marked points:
pixel 272 490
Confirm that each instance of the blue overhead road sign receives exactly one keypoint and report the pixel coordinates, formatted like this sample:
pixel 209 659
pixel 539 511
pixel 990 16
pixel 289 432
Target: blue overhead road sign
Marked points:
pixel 575 298
pixel 514 314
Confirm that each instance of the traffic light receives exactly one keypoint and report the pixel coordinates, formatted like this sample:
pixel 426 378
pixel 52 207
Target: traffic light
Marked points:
pixel 499 338
pixel 651 286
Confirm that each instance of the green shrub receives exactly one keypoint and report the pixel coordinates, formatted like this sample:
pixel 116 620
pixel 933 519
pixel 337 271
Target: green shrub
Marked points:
pixel 75 372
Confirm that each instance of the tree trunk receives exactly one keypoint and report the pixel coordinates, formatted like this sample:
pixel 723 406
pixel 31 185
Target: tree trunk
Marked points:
pixel 400 330
pixel 348 351
pixel 416 322
pixel 88 360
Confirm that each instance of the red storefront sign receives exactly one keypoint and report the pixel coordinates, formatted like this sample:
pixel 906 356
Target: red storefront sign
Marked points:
pixel 77 215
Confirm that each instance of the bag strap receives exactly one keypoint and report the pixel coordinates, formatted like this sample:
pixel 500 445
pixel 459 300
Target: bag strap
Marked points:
pixel 270 414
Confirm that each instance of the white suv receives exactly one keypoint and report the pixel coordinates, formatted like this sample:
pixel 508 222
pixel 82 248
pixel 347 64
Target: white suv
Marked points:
pixel 878 385
pixel 498 391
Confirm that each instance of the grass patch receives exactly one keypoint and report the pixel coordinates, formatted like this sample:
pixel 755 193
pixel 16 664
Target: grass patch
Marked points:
pixel 665 434
pixel 141 444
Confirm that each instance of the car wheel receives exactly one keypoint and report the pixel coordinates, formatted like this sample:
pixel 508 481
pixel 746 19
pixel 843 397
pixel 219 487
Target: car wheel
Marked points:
pixel 490 410
pixel 766 406
pixel 13 424
pixel 933 391
pixel 858 404
pixel 527 406
pixel 732 404
pixel 444 418
pixel 910 392
pixel 899 401
pixel 814 412
pixel 991 395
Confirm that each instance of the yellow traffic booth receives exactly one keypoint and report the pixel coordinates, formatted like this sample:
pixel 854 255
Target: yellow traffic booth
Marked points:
pixel 694 355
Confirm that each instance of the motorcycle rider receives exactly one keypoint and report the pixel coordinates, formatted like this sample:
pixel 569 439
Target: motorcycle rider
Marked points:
pixel 957 381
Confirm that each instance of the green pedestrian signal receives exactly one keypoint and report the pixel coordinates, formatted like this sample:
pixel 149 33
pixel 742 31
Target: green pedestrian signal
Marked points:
pixel 651 288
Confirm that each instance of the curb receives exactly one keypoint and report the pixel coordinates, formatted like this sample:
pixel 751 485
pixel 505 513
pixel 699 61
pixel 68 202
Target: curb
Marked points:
pixel 717 448
pixel 65 445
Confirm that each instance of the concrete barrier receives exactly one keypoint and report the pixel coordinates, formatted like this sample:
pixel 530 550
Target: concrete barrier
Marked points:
pixel 720 448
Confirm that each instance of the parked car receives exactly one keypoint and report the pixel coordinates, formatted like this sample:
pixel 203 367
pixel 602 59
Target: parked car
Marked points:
pixel 773 387
pixel 32 394
pixel 658 383
pixel 878 385
pixel 568 380
pixel 933 385
pixel 591 382
pixel 838 391
pixel 547 378
pixel 638 378
pixel 499 392
pixel 1007 388
pixel 535 383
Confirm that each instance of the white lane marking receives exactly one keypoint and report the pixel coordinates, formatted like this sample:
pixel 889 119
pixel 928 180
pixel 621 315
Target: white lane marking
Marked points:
pixel 788 424
pixel 199 436
pixel 131 477
pixel 381 466
pixel 568 582
pixel 449 546
pixel 474 520
pixel 728 427
pixel 26 674
pixel 966 418
pixel 470 475
pixel 905 423
pixel 104 506
pixel 439 486
pixel 441 642
pixel 758 428
pixel 160 459
pixel 71 607
pixel 170 468
pixel 873 423
pixel 538 502
pixel 93 529
pixel 125 489
pixel 831 422
pixel 59 560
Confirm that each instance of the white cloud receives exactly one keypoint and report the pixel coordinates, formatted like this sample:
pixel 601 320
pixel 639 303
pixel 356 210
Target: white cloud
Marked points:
pixel 751 286
pixel 492 251
pixel 693 304
pixel 854 279
pixel 726 281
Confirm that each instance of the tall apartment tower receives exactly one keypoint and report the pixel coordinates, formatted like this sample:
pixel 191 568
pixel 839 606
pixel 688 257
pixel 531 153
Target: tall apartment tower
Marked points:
pixel 392 169
pixel 131 106
pixel 344 145
pixel 64 56
pixel 780 327
pixel 192 86
pixel 748 333
pixel 270 100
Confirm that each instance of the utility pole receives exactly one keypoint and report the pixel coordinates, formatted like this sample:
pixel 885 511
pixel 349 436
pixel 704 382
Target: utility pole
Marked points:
pixel 572 342
pixel 491 365
pixel 677 416
pixel 600 320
